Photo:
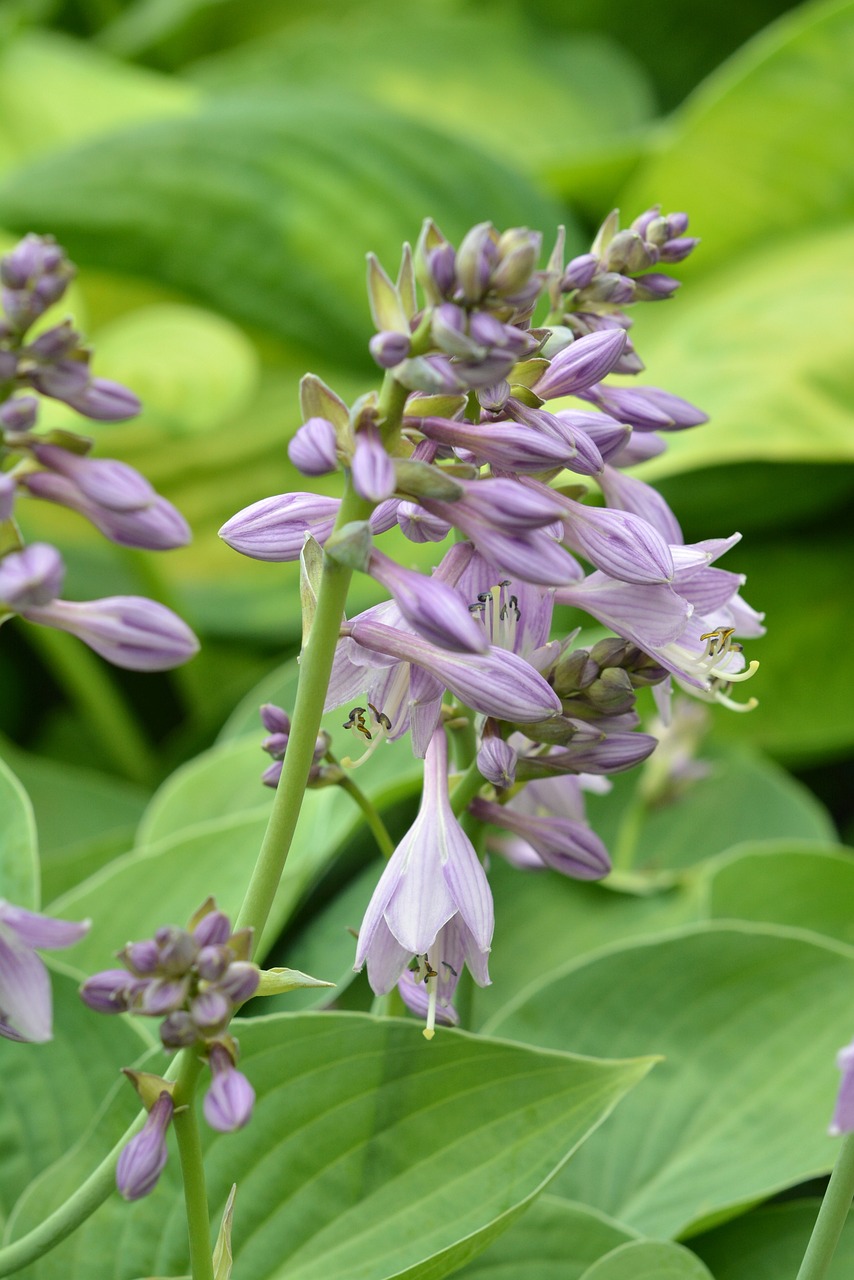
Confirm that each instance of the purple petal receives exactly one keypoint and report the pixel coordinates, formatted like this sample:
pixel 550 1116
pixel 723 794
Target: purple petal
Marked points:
pixel 42 931
pixel 584 362
pixel 372 468
pixel 619 543
pixel 275 528
pixel 627 493
pixel 435 610
pixel 649 615
pixel 142 1160
pixel 25 999
pixel 229 1100
pixel 313 449
pixel 129 631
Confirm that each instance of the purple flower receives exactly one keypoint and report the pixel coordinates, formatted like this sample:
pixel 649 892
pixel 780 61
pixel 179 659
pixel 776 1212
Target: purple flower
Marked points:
pixel 142 1160
pixel 583 363
pixel 565 844
pixel 430 606
pixel 508 445
pixel 25 999
pixel 314 448
pixel 230 1098
pixel 129 631
pixel 372 468
pixel 433 877
pixel 275 528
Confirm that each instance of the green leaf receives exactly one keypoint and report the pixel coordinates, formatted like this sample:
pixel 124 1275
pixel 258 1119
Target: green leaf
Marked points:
pixel 770 1242
pixel 90 93
pixel 370 1154
pixel 19 856
pixel 53 1092
pixel 749 1019
pixel 544 920
pixel 553 1240
pixel 265 207
pixel 808 887
pixel 744 797
pixel 761 149
pixel 648 1260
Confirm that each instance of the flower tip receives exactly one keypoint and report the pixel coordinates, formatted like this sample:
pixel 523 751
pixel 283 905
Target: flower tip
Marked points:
pixel 428 1033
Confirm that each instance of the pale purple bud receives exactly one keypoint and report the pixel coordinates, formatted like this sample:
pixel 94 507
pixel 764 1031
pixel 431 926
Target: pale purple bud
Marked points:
pixel 435 375
pixel 507 445
pixel 110 991
pixel 32 257
pixel 18 414
pixel 389 348
pixel 586 458
pixel 157 526
pixel 275 528
pixel 494 397
pixel 212 963
pixel 142 1160
pixel 104 401
pixel 213 930
pixel 210 1011
pixel 619 543
pixel 654 287
pixel 164 995
pixel 608 435
pixel 640 447
pixel 642 223
pixel 583 363
pixel 613 753
pixel 612 288
pixel 679 248
pixel 843 1115
pixel 629 253
pixel 274 719
pixel 372 468
pixel 271 775
pixel 434 609
pixel 178 1031
pixel 441 264
pixel 448 330
pixel 109 483
pixel 676 224
pixel 511 506
pixel 476 258
pixel 275 745
pixel 496 761
pixel 313 449
pixel 579 272
pixel 229 1100
pixel 129 631
pixel 32 577
pixel 419 525
pixel 627 493
pixel 142 958
pixel 240 981
pixel 177 950
pixel 518 253
pixel 567 846
pixel 8 489
pixel 55 343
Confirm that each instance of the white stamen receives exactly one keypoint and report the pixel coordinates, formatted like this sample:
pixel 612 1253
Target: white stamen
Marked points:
pixel 430 1030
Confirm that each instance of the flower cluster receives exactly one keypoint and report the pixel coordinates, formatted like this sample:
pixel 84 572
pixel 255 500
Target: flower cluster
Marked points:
pixel 55 466
pixel 194 979
pixel 465 436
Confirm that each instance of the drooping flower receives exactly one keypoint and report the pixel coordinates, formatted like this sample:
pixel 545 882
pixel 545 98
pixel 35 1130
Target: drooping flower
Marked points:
pixel 25 998
pixel 230 1098
pixel 143 1158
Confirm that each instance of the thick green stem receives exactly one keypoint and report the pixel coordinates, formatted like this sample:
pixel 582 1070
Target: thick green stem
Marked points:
pixel 88 685
pixel 315 668
pixel 831 1216
pixel 186 1124
pixel 466 789
pixel 371 814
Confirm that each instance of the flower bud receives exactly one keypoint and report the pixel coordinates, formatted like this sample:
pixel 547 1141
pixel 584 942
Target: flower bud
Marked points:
pixel 274 719
pixel 313 450
pixel 240 981
pixel 178 1031
pixel 19 413
pixel 372 468
pixel 142 1160
pixel 210 1011
pixel 109 991
pixel 8 489
pixel 230 1098
pixel 32 577
pixel 213 930
pixel 389 348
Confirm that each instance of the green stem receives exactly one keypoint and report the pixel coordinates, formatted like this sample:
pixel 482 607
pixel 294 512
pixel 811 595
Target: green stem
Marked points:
pixel 466 789
pixel 315 668
pixel 831 1216
pixel 371 814
pixel 463 740
pixel 628 833
pixel 92 690
pixel 186 1124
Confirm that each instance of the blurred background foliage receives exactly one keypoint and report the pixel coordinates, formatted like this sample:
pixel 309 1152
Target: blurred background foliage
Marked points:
pixel 219 168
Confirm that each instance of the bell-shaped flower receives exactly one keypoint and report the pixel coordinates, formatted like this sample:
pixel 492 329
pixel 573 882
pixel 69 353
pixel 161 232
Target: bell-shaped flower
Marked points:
pixel 25 998
pixel 142 1160
pixel 433 877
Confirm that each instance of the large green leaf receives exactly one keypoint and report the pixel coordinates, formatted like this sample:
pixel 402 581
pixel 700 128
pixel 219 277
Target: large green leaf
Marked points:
pixel 743 797
pixel 371 1154
pixel 648 1260
pixel 264 207
pixel 762 148
pixel 19 857
pixel 808 887
pixel 585 91
pixel 52 1092
pixel 749 1019
pixel 770 1242
pixel 553 1240
pixel 89 94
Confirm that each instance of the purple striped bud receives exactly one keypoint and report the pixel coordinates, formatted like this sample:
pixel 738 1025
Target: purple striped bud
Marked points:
pixel 579 272
pixel 178 1031
pixel 142 1160
pixel 229 1100
pixel 177 950
pixel 372 468
pixel 419 525
pixel 613 753
pixel 213 930
pixel 275 528
pixel 271 775
pixel 154 526
pixel 679 248
pixel 32 577
pixel 210 1011
pixel 645 220
pixel 629 253
pixel 607 434
pixel 503 444
pixel 111 484
pixel 434 609
pixel 240 981
pixel 18 414
pixel 129 631
pixel 212 963
pixel 313 450
pixel 654 287
pixel 619 543
pixel 164 996
pixel 612 288
pixel 110 991
pixel 142 958
pixel 389 348
pixel 496 761
pixel 274 719
pixel 567 846
pixel 583 363
pixel 476 257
